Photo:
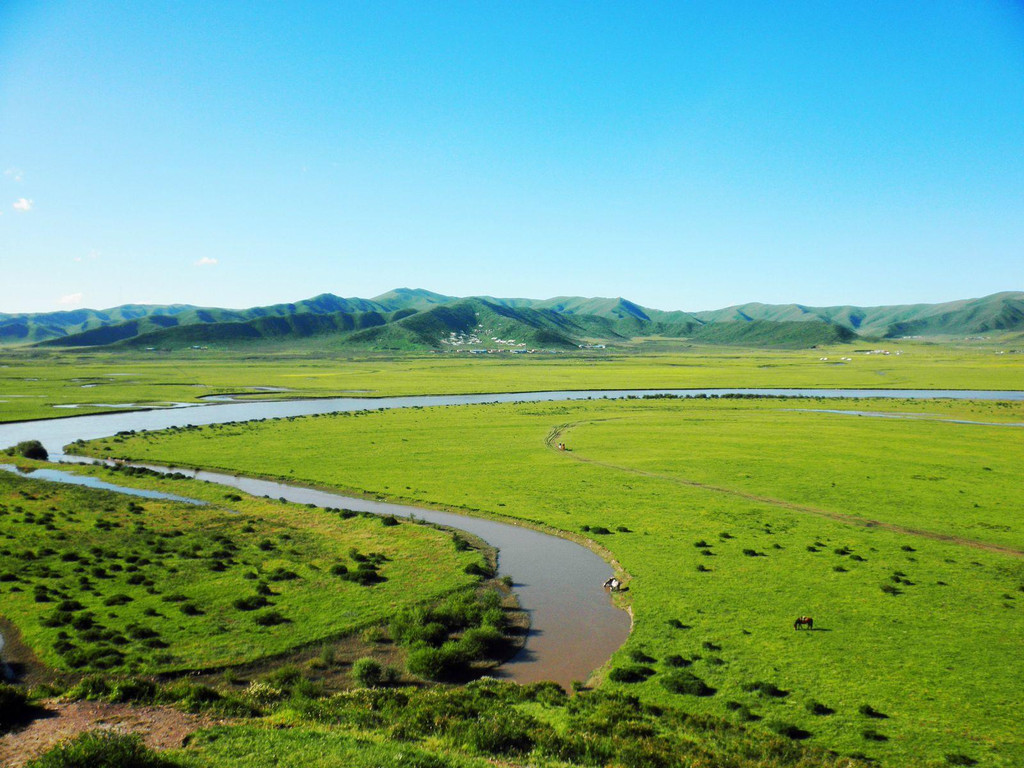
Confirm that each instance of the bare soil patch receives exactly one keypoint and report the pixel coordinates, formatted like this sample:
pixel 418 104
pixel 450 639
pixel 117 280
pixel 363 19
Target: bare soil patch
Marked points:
pixel 159 727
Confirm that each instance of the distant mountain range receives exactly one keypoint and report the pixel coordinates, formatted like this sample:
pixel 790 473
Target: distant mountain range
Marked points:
pixel 407 319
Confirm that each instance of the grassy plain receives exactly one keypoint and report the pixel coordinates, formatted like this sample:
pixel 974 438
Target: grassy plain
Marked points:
pixel 492 723
pixel 100 581
pixel 32 383
pixel 724 514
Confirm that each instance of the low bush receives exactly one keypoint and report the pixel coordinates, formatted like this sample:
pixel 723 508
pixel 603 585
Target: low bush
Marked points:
pixel 271 619
pixel 282 574
pixel 482 642
pixel 476 569
pixel 790 731
pixel 447 663
pixel 192 696
pixel 364 577
pixel 631 674
pixel 102 749
pixel 675 660
pixel 817 708
pixel 685 682
pixel 746 715
pixel 501 733
pixel 763 688
pixel 31 449
pixel 959 759
pixel 868 711
pixel 367 672
pixel 90 688
pixel 250 603
pixel 132 689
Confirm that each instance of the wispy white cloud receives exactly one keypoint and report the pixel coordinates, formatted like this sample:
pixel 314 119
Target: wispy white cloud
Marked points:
pixel 71 299
pixel 22 205
pixel 206 261
pixel 92 254
pixel 14 174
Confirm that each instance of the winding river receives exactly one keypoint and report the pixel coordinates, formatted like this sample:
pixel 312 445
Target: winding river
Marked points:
pixel 574 626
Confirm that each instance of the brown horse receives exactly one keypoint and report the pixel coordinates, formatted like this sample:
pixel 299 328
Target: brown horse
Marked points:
pixel 804 621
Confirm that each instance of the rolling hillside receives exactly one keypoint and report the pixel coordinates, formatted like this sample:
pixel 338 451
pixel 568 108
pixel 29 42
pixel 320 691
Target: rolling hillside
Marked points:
pixel 998 312
pixel 416 319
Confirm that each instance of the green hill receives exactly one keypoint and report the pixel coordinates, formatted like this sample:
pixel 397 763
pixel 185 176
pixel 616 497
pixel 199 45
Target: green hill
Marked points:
pixel 998 312
pixel 993 314
pixel 411 298
pixel 768 333
pixel 408 319
pixel 271 328
pixel 474 324
pixel 88 327
pixel 33 327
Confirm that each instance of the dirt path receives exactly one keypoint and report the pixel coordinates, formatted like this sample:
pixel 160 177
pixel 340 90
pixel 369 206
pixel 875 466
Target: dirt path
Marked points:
pixel 160 727
pixel 557 436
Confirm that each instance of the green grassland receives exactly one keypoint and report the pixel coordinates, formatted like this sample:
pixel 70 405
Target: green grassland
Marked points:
pixel 724 515
pixel 32 383
pixel 100 581
pixel 491 723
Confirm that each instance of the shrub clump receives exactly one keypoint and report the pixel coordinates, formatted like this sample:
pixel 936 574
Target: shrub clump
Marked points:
pixel 475 569
pixel 675 660
pixel 250 603
pixel 763 688
pixel 447 663
pixel 959 759
pixel 634 673
pixel 868 711
pixel 30 449
pixel 101 749
pixel 271 619
pixel 790 731
pixel 817 708
pixel 685 682
pixel 501 733
pixel 370 673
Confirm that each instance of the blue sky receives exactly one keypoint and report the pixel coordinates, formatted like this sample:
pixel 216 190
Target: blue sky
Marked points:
pixel 683 155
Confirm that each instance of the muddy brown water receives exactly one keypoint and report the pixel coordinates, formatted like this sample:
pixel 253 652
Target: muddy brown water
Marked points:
pixel 574 626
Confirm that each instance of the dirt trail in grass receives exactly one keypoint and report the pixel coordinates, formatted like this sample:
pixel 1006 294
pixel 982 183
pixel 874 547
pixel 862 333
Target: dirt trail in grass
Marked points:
pixel 159 727
pixel 557 436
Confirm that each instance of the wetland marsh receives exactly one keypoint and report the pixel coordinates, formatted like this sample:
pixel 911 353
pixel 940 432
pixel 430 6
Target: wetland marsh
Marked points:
pixel 892 518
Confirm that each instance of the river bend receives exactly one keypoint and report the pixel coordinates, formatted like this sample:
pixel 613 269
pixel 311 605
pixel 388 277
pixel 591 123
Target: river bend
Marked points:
pixel 574 626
